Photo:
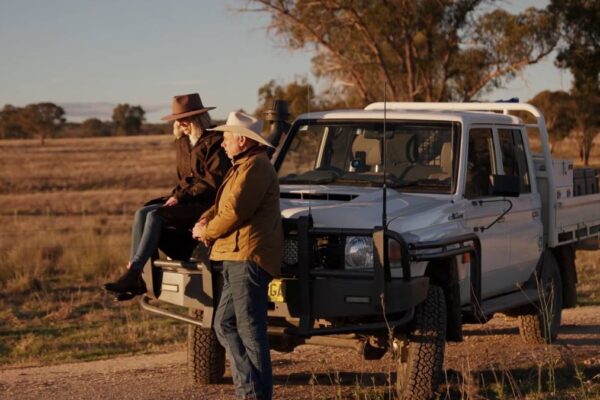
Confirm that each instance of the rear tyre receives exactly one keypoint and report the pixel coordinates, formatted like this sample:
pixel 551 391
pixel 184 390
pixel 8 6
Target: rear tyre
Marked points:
pixel 420 375
pixel 543 324
pixel 205 355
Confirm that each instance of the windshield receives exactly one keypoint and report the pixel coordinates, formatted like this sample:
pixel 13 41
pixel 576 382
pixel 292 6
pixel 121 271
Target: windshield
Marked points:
pixel 420 156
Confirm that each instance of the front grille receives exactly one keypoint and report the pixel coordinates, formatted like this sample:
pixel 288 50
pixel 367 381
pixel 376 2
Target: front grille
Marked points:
pixel 328 252
pixel 290 251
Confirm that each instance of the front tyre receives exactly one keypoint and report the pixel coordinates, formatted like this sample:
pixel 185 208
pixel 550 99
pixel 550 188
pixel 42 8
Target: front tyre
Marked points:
pixel 542 326
pixel 205 355
pixel 420 376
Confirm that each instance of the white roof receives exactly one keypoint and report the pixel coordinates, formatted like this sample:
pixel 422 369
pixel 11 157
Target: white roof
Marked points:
pixel 469 117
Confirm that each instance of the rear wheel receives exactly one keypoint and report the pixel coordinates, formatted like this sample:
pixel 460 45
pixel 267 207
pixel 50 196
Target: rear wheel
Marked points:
pixel 206 356
pixel 420 375
pixel 542 325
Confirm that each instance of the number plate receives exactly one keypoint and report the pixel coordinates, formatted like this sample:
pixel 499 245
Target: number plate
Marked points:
pixel 276 292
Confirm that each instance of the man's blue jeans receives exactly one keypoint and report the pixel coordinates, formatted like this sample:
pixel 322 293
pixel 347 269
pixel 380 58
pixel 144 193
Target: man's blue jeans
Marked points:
pixel 241 327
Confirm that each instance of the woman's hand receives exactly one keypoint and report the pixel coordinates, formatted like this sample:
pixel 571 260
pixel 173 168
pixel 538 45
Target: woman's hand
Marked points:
pixel 177 129
pixel 171 201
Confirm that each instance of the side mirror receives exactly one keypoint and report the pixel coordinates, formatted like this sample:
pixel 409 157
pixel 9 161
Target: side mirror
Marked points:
pixel 506 185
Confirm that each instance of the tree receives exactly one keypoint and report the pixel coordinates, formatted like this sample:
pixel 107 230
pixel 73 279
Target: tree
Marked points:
pixel 558 109
pixel 299 95
pixel 42 119
pixel 95 127
pixel 426 50
pixel 587 123
pixel 10 123
pixel 128 119
pixel 579 51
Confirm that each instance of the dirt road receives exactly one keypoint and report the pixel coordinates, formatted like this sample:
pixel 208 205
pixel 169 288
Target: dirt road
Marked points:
pixel 492 351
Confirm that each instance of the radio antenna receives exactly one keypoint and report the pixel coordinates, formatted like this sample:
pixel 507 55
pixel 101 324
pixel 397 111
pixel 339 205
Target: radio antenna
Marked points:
pixel 308 127
pixel 384 205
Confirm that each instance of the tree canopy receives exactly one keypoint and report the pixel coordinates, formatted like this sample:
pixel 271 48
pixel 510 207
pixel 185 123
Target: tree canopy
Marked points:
pixel 128 119
pixel 427 50
pixel 559 111
pixel 579 51
pixel 299 95
pixel 41 119
pixel 11 123
pixel 45 119
pixel 95 127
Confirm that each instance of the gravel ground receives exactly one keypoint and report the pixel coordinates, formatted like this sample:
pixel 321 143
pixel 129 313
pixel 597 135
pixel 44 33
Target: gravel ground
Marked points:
pixel 312 372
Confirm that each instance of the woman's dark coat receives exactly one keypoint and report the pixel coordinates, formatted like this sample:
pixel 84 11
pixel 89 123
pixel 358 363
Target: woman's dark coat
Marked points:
pixel 200 171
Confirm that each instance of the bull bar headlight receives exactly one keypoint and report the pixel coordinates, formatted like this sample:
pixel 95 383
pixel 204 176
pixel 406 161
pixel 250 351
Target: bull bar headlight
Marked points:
pixel 358 252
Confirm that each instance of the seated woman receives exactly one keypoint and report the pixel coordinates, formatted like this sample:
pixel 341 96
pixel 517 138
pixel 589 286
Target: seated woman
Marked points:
pixel 201 166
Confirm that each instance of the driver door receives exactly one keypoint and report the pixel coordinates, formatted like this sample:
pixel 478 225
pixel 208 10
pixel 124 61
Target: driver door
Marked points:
pixel 483 208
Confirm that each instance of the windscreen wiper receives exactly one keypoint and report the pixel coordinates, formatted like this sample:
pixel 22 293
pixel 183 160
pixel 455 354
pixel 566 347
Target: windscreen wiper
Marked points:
pixel 403 184
pixel 322 177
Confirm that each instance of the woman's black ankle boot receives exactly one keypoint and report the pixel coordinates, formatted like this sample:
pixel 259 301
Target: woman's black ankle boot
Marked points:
pixel 130 282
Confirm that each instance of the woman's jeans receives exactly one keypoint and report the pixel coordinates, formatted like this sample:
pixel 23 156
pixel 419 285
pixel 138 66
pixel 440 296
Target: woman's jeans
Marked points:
pixel 145 235
pixel 241 327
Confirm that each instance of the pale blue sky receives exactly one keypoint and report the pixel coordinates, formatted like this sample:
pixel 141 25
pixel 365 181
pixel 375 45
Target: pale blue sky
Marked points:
pixel 90 55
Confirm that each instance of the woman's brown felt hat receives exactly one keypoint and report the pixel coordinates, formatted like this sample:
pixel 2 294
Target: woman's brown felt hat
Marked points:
pixel 186 105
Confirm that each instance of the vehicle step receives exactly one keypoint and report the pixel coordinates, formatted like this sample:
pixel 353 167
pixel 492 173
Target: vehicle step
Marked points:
pixel 176 265
pixel 506 302
pixel 511 300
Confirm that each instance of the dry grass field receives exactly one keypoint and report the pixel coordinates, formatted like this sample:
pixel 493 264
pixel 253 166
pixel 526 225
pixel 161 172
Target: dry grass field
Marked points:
pixel 64 230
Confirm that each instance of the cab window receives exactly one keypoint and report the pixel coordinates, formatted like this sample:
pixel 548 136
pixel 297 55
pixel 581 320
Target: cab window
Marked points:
pixel 514 160
pixel 480 163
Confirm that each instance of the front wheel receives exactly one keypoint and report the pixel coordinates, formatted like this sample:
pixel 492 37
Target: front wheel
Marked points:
pixel 206 356
pixel 542 326
pixel 419 377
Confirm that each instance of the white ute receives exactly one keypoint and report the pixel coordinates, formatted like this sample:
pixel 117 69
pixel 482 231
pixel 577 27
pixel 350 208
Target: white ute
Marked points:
pixel 452 169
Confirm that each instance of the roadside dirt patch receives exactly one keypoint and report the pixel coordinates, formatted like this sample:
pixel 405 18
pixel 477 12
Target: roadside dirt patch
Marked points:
pixel 490 355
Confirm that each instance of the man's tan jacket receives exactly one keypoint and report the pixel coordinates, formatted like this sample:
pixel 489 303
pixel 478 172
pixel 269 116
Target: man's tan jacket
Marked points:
pixel 245 222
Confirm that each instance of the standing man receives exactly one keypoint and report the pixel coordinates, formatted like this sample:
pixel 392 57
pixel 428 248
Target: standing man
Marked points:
pixel 244 229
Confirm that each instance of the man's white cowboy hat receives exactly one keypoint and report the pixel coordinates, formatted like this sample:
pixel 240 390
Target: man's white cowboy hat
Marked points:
pixel 244 125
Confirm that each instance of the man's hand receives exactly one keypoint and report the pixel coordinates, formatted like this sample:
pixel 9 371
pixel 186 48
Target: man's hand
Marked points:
pixel 199 230
pixel 171 201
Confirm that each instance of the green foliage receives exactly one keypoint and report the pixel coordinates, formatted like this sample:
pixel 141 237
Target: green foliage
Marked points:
pixel 579 52
pixel 44 119
pixel 41 119
pixel 587 122
pixel 580 47
pixel 559 112
pixel 95 127
pixel 128 119
pixel 47 120
pixel 299 95
pixel 426 50
pixel 502 45
pixel 10 124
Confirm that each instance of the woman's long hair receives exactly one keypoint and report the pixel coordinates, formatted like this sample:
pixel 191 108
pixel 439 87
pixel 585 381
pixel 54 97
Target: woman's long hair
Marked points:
pixel 203 120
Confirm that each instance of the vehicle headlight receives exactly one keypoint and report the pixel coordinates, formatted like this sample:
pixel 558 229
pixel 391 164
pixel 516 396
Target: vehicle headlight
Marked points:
pixel 358 253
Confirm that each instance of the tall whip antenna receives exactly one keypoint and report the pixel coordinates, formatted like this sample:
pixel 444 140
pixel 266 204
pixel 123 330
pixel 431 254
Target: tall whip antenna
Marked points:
pixel 309 181
pixel 384 207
